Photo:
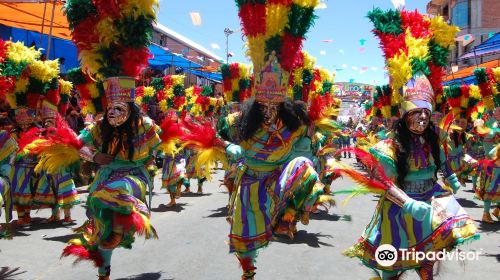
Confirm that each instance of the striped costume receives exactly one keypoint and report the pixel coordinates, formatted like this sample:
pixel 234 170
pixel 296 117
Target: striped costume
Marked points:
pixel 23 181
pixel 57 191
pixel 492 137
pixel 8 149
pixel 276 185
pixel 174 170
pixel 489 181
pixel 117 196
pixel 444 227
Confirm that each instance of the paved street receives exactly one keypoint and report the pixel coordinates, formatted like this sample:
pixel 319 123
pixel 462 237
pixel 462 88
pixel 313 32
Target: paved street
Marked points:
pixel 192 244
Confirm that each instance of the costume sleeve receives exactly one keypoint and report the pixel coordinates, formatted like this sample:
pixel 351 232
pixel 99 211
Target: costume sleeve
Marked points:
pixel 318 142
pixel 384 152
pixel 8 147
pixel 445 167
pixel 87 135
pixel 234 153
pixel 151 136
pixel 226 127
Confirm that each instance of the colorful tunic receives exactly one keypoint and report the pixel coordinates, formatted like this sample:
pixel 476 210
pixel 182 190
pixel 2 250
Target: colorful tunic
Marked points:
pixel 444 227
pixel 489 184
pixel 117 194
pixel 455 157
pixel 190 156
pixel 8 149
pixel 56 191
pixel 490 140
pixel 276 185
pixel 23 180
pixel 174 170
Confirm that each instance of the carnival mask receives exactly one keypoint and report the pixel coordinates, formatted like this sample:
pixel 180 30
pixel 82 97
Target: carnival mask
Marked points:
pixel 270 113
pixel 462 123
pixel 417 120
pixel 24 126
pixel 118 113
pixel 49 122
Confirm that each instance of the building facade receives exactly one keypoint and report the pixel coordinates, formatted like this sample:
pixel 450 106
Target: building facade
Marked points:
pixel 478 20
pixel 179 45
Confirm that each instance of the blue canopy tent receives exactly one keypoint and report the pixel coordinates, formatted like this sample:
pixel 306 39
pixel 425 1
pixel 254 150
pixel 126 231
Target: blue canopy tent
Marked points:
pixel 163 58
pixel 214 76
pixel 59 47
pixel 469 80
pixel 488 47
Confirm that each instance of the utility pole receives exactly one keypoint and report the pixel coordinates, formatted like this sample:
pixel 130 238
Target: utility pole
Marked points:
pixel 227 32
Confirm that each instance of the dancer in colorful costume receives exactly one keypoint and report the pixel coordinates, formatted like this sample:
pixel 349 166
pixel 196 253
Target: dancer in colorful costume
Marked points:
pixel 8 149
pixel 200 105
pixel 489 178
pixel 415 211
pixel 457 97
pixel 57 191
pixel 169 90
pixel 26 80
pixel 124 141
pixel 237 85
pixel 276 183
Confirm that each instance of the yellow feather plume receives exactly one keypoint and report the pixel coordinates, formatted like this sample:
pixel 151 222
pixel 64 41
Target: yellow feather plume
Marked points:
pixel 108 34
pixel 443 33
pixel 178 79
pixel 309 60
pixel 44 71
pixel 256 46
pixel 207 159
pixel 417 48
pixel 307 3
pixel 56 158
pixel 474 92
pixel 496 74
pixel 30 147
pixel 18 52
pixel 149 91
pixel 399 69
pixel 169 147
pixel 89 109
pixel 66 86
pixel 138 8
pixel 276 20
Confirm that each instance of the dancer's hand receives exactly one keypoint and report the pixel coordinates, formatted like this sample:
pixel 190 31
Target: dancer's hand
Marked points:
pixel 417 209
pixel 454 182
pixel 103 159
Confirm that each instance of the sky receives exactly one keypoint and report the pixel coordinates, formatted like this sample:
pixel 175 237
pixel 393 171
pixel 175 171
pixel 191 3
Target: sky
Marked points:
pixel 341 39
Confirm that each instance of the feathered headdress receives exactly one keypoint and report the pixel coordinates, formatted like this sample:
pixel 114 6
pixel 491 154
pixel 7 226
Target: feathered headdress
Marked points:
pixel 91 91
pixel 169 92
pixel 205 104
pixel 144 96
pixel 236 81
pixel 26 80
pixel 112 36
pixel 413 43
pixel 489 85
pixel 112 39
pixel 275 31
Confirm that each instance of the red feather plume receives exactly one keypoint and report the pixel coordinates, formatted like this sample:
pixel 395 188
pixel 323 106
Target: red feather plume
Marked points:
pixel 82 254
pixel 200 133
pixel 170 128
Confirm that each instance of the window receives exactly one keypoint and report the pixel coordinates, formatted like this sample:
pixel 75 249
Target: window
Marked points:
pixel 460 13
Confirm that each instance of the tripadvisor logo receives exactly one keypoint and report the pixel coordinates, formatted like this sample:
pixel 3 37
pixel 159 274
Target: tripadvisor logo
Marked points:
pixel 386 255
